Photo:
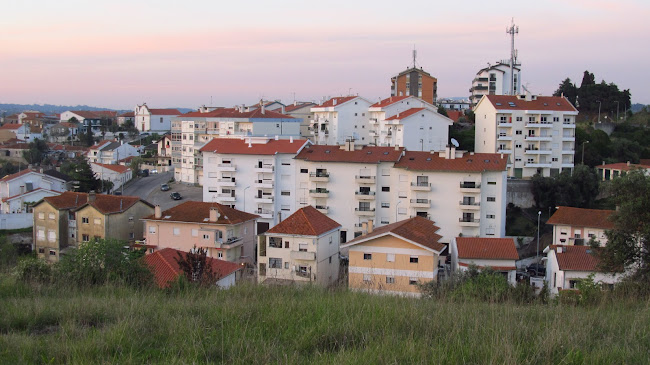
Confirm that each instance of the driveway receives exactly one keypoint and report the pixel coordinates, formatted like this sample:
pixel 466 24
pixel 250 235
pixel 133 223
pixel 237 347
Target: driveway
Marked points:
pixel 188 192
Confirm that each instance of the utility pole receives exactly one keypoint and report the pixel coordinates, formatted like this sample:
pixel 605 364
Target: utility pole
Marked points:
pixel 617 110
pixel 512 30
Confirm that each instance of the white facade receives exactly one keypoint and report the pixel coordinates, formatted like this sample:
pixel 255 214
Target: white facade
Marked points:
pixel 16 204
pixel 538 133
pixel 417 130
pixel 452 104
pixel 340 119
pixel 110 152
pixel 495 80
pixel 117 174
pixel 153 120
pixel 27 180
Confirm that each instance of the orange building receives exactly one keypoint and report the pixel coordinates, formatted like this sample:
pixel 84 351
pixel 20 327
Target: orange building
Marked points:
pixel 416 82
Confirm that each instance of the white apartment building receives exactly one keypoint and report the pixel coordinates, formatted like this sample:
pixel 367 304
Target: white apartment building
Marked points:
pixel 192 131
pixel 110 152
pixel 339 119
pixel 255 175
pixel 464 193
pixel 153 120
pixel 537 132
pixel 496 80
pixel 303 248
pixel 409 122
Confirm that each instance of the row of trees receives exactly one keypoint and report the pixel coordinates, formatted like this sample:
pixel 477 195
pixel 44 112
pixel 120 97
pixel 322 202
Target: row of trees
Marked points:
pixel 586 97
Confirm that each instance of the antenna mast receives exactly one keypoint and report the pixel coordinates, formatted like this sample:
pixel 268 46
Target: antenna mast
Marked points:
pixel 415 55
pixel 512 30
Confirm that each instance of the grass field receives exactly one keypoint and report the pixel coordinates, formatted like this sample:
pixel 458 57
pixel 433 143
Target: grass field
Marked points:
pixel 255 324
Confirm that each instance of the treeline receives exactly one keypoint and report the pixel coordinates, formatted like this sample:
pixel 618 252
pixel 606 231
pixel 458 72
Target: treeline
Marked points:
pixel 591 96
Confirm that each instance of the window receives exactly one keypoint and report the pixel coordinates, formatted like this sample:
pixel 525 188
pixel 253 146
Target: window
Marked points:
pixel 367 278
pixel 84 220
pixel 41 250
pixel 385 172
pixel 554 159
pixel 413 281
pixel 492 182
pixel 220 254
pixel 385 188
pixel 302 247
pixel 413 260
pixel 304 171
pixel 195 232
pixel 40 234
pixel 206 236
pixel 367 256
pixel 275 263
pixel 491 199
pixel 51 236
pixel 385 205
pixel 85 237
pixel 97 221
pixel 285 193
pixel 490 216
pixel 519 119
pixel 390 280
pixel 518 132
pixel 286 244
pixel 152 229
pixel 41 216
pixel 131 219
pixel 52 253
pixel 330 259
pixel 286 264
pixel 390 257
pixel 177 231
pixel 50 216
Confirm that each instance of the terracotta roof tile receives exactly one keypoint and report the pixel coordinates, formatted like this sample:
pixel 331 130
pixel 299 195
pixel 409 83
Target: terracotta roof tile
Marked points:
pixel 389 101
pixel 623 166
pixel 110 204
pixel 199 212
pixel 455 114
pixel 28 193
pixel 117 168
pixel 576 258
pixel 238 146
pixel 16 175
pixel 405 114
pixel 11 126
pixel 235 113
pixel 291 107
pixel 416 229
pixel 334 153
pixel 164 112
pixel 549 103
pixel 427 161
pixel 67 200
pixel 336 101
pixel 486 248
pixel 306 221
pixel 165 268
pixel 580 217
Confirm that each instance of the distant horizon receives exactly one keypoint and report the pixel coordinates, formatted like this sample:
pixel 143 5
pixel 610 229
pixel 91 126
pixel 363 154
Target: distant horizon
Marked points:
pixel 231 53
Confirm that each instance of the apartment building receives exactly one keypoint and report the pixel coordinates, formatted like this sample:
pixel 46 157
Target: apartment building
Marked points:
pixel 110 152
pixel 465 193
pixel 226 233
pixel 415 82
pixel 303 248
pixel 395 258
pixel 153 120
pixel 409 122
pixel 496 79
pixel 193 130
pixel 577 226
pixel 255 175
pixel 536 132
pixel 339 119
pixel 301 110
pixel 71 218
pixel 498 254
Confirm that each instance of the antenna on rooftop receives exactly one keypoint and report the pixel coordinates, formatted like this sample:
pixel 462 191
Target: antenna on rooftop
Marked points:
pixel 415 55
pixel 512 30
pixel 455 142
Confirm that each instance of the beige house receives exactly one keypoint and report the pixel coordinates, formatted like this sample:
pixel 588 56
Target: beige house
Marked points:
pixel 577 226
pixel 302 248
pixel 226 233
pixel 499 254
pixel 70 218
pixel 396 257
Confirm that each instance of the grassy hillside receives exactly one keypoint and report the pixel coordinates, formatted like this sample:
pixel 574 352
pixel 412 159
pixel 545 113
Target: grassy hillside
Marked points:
pixel 253 324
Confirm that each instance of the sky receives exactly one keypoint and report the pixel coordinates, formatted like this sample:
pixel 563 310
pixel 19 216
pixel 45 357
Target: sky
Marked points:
pixel 171 53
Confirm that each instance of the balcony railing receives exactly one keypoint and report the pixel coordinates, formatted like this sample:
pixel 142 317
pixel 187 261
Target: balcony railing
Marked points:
pixel 364 209
pixel 319 174
pixel 469 203
pixel 420 201
pixel 364 193
pixel 319 191
pixel 364 179
pixel 469 185
pixel 469 220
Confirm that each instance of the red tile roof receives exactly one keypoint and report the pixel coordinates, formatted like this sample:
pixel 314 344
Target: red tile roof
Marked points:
pixel 127 115
pixel 405 114
pixel 389 101
pixel 110 204
pixel 580 217
pixel 117 168
pixel 164 266
pixel 235 113
pixel 336 101
pixel 306 221
pixel 67 200
pixel 11 126
pixel 576 258
pixel 455 114
pixel 238 146
pixel 28 193
pixel 417 229
pixel 427 161
pixel 623 166
pixel 486 248
pixel 334 153
pixel 164 112
pixel 199 212
pixel 550 103
pixel 16 175
pixel 69 124
pixel 289 108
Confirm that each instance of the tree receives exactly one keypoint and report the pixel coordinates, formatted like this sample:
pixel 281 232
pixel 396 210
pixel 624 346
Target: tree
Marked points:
pixel 7 168
pixel 574 189
pixel 569 90
pixel 136 162
pixel 196 268
pixel 442 111
pixel 80 170
pixel 36 151
pixel 628 244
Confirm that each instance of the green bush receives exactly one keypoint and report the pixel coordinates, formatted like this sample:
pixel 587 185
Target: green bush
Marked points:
pixel 35 270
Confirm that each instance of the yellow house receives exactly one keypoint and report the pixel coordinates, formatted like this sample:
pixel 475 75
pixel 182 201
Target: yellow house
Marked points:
pixel 396 257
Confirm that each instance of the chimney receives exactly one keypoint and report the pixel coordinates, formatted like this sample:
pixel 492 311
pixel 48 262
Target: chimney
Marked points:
pixel 283 110
pixel 157 212
pixel 214 215
pixel 628 163
pixel 334 101
pixel 277 137
pixel 91 196
pixel 364 227
pixel 291 139
pixel 295 103
pixel 396 148
pixel 559 249
pixel 262 106
pixel 370 226
pixel 452 152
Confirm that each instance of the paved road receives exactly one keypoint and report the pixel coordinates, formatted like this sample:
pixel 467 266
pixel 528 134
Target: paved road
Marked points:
pixel 188 192
pixel 143 186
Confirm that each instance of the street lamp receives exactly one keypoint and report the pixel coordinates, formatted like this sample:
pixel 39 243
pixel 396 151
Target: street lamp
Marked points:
pixel 599 104
pixel 539 215
pixel 246 188
pixel 583 152
pixel 616 110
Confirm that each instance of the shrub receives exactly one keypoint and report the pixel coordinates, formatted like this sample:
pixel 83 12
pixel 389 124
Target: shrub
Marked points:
pixel 32 269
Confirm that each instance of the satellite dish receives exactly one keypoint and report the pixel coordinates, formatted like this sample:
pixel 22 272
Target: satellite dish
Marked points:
pixel 455 142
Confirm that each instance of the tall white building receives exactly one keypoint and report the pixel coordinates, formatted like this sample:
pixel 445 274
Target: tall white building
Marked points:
pixel 496 80
pixel 537 132
pixel 255 175
pixel 410 122
pixel 153 120
pixel 464 193
pixel 339 119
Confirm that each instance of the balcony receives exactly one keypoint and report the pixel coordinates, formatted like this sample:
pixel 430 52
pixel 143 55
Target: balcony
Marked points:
pixel 227 167
pixel 504 137
pixel 363 179
pixel 420 203
pixel 227 182
pixel 230 242
pixel 504 124
pixel 366 212
pixel 421 186
pixel 568 138
pixel 535 151
pixel 264 199
pixel 365 195
pixel 319 176
pixel 469 205
pixel 470 187
pixel 539 125
pixel 504 151
pixel 373 133
pixel 373 120
pixel 265 213
pixel 319 193
pixel 567 164
pixel 568 125
pixel 322 208
pixel 568 152
pixel 533 138
pixel 469 222
pixel 263 184
pixel 226 197
pixel 264 168
pixel 303 255
pixel 537 164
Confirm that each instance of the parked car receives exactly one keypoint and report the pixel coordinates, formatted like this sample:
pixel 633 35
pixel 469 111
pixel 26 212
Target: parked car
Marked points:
pixel 153 171
pixel 143 173
pixel 117 193
pixel 176 196
pixel 164 187
pixel 536 269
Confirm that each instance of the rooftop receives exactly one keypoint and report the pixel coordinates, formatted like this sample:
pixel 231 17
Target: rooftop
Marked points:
pixel 576 258
pixel 513 102
pixel 417 229
pixel 336 101
pixel 623 166
pixel 477 162
pixel 334 153
pixel 486 248
pixel 405 114
pixel 239 146
pixel 306 221
pixel 236 113
pixel 388 101
pixel 117 168
pixel 580 217
pixel 199 212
